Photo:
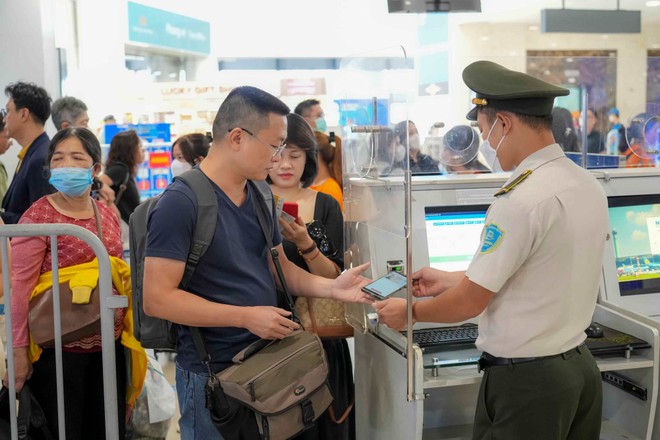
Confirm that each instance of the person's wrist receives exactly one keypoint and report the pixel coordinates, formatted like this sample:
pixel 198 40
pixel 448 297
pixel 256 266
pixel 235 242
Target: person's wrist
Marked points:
pixel 303 250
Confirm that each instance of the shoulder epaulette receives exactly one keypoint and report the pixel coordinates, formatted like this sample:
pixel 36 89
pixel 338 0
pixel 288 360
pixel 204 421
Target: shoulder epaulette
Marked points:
pixel 514 183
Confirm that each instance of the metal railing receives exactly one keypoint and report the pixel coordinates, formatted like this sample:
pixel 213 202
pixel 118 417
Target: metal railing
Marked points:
pixel 108 304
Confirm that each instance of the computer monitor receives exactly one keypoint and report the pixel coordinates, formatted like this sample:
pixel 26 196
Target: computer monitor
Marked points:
pixel 635 231
pixel 453 234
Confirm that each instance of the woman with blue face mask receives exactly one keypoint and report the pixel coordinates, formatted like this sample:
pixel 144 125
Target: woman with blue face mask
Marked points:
pixel 74 161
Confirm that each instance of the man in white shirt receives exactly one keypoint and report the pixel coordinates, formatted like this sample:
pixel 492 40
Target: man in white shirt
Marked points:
pixel 535 276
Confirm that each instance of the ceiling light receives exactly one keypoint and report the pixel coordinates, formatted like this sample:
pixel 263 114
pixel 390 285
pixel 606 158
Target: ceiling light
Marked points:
pixel 653 3
pixel 533 28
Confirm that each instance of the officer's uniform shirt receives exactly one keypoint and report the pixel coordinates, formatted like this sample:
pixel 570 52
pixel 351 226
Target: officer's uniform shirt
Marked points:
pixel 541 253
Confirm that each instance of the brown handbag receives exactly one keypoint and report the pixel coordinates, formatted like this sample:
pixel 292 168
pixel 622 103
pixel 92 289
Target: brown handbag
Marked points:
pixel 78 320
pixel 325 317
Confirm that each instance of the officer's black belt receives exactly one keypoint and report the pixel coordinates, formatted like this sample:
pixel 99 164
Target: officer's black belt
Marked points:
pixel 488 360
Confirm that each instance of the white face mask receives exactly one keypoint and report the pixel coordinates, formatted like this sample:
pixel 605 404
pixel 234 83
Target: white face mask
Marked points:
pixel 179 167
pixel 490 153
pixel 399 153
pixel 413 142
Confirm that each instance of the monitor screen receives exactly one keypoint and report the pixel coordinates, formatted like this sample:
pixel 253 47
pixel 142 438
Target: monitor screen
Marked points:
pixel 453 234
pixel 635 230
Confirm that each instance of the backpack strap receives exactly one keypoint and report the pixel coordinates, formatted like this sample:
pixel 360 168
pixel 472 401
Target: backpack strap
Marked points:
pixel 207 219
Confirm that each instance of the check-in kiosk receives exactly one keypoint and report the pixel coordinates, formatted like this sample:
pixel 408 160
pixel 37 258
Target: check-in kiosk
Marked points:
pixel 397 220
pixel 445 383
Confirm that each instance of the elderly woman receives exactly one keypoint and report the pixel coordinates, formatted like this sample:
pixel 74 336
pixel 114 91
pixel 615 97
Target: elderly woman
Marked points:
pixel 74 159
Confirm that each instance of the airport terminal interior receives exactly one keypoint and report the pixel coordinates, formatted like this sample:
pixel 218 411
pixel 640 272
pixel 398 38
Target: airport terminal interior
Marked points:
pixel 415 181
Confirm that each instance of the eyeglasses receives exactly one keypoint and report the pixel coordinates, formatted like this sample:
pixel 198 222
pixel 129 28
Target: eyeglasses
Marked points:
pixel 3 114
pixel 276 150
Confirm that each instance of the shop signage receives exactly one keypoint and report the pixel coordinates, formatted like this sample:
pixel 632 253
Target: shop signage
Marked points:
pixel 155 27
pixel 148 132
pixel 302 86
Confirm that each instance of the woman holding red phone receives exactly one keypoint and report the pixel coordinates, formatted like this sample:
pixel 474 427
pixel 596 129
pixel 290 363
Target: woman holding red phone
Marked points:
pixel 314 241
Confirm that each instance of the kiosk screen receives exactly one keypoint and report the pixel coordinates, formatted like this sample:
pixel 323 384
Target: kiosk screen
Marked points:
pixel 635 230
pixel 453 234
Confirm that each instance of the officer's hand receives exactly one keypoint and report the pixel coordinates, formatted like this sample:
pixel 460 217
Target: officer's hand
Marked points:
pixel 392 312
pixel 432 282
pixel 269 322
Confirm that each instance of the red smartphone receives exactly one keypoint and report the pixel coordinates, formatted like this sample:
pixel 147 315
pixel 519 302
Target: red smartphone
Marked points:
pixel 291 208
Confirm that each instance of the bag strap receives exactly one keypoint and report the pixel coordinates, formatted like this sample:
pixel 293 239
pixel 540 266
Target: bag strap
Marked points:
pixel 97 216
pixel 123 185
pixel 266 228
pixel 207 219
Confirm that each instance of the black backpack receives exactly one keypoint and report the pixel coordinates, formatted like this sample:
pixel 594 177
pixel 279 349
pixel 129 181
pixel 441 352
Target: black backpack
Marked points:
pixel 158 333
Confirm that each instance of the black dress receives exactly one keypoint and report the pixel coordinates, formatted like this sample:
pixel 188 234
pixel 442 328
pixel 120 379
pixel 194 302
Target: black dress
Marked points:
pixel 328 216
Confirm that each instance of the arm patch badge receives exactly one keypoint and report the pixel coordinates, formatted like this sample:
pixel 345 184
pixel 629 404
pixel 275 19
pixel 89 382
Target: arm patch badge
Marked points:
pixel 493 236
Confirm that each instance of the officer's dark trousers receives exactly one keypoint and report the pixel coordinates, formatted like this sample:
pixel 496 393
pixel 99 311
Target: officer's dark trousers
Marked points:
pixel 548 399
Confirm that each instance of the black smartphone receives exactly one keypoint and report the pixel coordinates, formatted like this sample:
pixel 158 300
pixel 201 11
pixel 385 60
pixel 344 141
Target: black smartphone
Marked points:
pixel 385 286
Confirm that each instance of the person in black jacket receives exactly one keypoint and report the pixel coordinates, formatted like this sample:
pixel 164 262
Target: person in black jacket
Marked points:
pixel 28 108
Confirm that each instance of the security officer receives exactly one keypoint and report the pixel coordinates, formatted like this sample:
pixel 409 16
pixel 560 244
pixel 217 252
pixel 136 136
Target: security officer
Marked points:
pixel 535 276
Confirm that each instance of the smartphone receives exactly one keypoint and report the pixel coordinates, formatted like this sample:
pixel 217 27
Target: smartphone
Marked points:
pixel 385 286
pixel 291 208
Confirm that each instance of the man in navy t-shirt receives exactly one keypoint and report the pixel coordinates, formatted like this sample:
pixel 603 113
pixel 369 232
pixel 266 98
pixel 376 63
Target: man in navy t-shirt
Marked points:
pixel 232 294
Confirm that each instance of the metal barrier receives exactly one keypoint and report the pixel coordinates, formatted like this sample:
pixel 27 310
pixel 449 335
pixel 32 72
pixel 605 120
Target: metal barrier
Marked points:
pixel 107 320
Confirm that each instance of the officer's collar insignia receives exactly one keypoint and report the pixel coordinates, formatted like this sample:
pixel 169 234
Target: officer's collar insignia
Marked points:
pixel 493 236
pixel 514 183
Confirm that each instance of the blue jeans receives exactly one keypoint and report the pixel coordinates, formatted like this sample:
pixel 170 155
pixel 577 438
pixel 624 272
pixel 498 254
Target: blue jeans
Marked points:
pixel 195 422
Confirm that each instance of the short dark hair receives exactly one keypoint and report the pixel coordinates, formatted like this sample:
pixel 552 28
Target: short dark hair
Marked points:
pixel 122 149
pixel 67 109
pixel 306 105
pixel 300 134
pixel 246 107
pixel 192 146
pixel 32 97
pixel 535 122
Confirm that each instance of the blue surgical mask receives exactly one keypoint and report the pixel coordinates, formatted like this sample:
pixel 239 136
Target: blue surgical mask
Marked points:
pixel 72 181
pixel 321 125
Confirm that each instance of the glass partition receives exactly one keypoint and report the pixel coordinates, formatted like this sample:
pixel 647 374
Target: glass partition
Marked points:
pixel 408 149
pixel 376 88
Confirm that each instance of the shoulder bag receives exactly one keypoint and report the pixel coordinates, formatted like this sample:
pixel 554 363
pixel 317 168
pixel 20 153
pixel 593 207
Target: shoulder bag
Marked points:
pixel 78 320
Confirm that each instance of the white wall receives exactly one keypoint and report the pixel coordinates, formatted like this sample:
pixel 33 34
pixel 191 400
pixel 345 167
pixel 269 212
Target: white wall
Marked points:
pixel 27 52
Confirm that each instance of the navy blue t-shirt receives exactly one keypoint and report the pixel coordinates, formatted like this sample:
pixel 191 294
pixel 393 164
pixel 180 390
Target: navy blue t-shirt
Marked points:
pixel 234 270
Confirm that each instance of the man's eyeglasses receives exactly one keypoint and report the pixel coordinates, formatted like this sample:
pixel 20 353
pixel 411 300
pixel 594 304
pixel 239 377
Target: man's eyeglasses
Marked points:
pixel 3 114
pixel 276 150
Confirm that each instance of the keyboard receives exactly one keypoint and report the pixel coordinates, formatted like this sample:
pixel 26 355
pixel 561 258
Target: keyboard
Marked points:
pixel 464 334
